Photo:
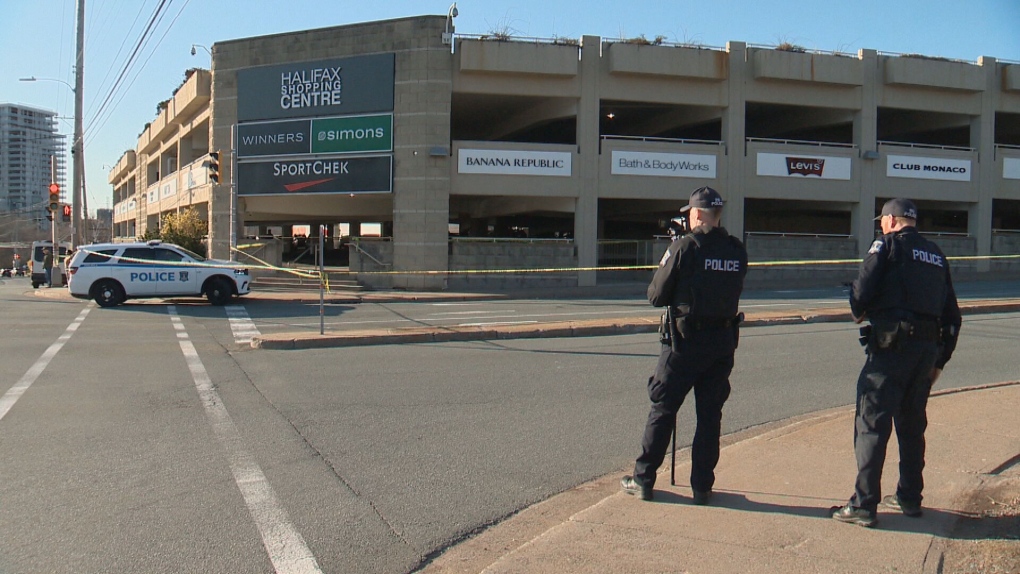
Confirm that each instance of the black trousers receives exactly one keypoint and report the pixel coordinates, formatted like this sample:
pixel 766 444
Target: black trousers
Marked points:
pixel 893 388
pixel 702 363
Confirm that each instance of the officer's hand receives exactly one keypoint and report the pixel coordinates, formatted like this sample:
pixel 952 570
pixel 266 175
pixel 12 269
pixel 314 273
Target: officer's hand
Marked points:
pixel 935 374
pixel 857 319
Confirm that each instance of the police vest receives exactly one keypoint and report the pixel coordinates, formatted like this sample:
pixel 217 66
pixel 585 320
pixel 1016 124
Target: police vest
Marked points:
pixel 716 278
pixel 915 280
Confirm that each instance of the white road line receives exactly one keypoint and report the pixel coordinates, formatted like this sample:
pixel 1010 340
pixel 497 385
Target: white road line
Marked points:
pixel 470 312
pixel 494 323
pixel 285 545
pixel 241 325
pixel 14 393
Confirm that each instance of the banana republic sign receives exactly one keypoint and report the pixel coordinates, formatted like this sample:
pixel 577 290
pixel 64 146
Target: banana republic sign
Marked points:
pixel 362 84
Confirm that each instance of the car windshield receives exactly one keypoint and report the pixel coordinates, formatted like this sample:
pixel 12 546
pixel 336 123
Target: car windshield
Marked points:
pixel 191 254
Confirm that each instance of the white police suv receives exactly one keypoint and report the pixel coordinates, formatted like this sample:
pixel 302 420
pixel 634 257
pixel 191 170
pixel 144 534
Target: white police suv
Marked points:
pixel 111 273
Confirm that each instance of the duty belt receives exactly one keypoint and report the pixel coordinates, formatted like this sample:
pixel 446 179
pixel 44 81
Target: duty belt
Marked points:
pixel 922 330
pixel 703 323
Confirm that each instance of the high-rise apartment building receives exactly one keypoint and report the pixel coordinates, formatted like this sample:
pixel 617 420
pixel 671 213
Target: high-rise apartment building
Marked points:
pixel 28 141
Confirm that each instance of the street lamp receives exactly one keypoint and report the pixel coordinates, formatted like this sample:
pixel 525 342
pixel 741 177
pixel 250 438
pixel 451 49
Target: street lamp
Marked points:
pixel 193 51
pixel 450 15
pixel 77 150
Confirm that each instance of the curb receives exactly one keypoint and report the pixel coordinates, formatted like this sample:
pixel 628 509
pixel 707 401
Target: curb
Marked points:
pixel 591 328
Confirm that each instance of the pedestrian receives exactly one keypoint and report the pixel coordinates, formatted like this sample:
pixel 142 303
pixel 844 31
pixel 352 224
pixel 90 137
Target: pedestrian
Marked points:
pixel 904 290
pixel 699 281
pixel 48 266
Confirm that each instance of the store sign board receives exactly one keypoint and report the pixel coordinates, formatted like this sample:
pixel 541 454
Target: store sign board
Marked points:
pixel 1010 168
pixel 804 166
pixel 513 162
pixel 361 84
pixel 316 175
pixel 928 168
pixel 349 134
pixel 357 134
pixel 663 164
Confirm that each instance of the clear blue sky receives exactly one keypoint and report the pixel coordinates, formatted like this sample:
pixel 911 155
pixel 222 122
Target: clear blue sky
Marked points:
pixel 37 39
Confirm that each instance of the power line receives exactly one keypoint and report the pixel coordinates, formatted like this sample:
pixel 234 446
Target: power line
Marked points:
pixel 141 68
pixel 157 14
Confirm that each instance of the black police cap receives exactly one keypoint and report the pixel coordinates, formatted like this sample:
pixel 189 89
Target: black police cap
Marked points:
pixel 703 198
pixel 899 208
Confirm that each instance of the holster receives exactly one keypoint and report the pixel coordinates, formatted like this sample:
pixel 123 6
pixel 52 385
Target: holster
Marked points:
pixel 885 336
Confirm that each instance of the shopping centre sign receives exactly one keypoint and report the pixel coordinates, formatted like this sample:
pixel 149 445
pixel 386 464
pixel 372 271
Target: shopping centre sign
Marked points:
pixel 928 168
pixel 362 84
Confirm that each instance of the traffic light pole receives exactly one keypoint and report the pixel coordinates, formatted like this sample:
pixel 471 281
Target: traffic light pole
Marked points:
pixel 55 274
pixel 78 145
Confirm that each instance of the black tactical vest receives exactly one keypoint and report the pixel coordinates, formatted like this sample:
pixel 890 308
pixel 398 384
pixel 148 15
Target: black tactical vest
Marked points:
pixel 716 278
pixel 915 279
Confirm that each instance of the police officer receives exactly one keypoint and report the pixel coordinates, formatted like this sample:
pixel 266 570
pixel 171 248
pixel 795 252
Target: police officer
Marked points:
pixel 905 291
pixel 699 280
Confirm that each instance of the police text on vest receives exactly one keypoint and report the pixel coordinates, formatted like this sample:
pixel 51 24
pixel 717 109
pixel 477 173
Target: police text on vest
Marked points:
pixel 722 265
pixel 925 257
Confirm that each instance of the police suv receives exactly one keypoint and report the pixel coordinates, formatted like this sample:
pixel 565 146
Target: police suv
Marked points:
pixel 111 273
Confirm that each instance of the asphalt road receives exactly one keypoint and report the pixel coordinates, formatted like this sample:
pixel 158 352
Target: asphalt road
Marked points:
pixel 339 317
pixel 128 452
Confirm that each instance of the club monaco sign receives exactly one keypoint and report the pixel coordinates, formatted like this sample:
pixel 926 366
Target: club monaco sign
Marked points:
pixel 928 168
pixel 510 162
pixel 663 164
pixel 804 166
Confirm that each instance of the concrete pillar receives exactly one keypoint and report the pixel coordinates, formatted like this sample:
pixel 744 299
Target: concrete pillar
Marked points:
pixel 982 137
pixel 731 179
pixel 869 164
pixel 421 203
pixel 586 207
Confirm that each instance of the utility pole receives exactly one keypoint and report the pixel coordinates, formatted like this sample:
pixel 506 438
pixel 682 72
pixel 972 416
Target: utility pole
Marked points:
pixel 78 146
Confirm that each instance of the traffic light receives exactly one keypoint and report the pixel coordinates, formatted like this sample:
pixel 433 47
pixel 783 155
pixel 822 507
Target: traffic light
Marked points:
pixel 213 164
pixel 65 213
pixel 54 197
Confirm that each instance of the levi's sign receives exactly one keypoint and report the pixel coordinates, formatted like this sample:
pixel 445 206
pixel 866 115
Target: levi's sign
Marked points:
pixel 341 174
pixel 663 164
pixel 928 168
pixel 803 166
pixel 350 134
pixel 510 162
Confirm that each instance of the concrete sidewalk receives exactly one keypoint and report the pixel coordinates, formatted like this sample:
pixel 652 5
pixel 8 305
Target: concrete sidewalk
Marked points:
pixel 769 514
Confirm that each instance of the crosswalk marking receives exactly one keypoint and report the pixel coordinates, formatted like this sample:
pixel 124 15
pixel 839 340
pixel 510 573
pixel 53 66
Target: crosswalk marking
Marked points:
pixel 241 325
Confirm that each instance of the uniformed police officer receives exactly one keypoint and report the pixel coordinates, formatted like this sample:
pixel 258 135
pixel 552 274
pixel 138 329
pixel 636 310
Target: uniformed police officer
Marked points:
pixel 905 291
pixel 699 280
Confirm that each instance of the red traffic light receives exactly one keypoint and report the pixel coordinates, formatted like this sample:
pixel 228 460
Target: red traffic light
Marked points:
pixel 66 213
pixel 54 188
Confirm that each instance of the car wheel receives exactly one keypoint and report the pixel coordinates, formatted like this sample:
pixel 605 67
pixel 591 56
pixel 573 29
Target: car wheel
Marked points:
pixel 219 291
pixel 108 293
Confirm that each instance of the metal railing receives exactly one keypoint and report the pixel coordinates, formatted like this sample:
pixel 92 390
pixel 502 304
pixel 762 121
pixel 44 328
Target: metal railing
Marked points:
pixel 357 247
pixel 669 140
pixel 803 142
pixel 926 146
pixel 788 234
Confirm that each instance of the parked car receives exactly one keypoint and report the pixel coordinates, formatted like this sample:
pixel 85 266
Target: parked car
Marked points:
pixel 111 273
